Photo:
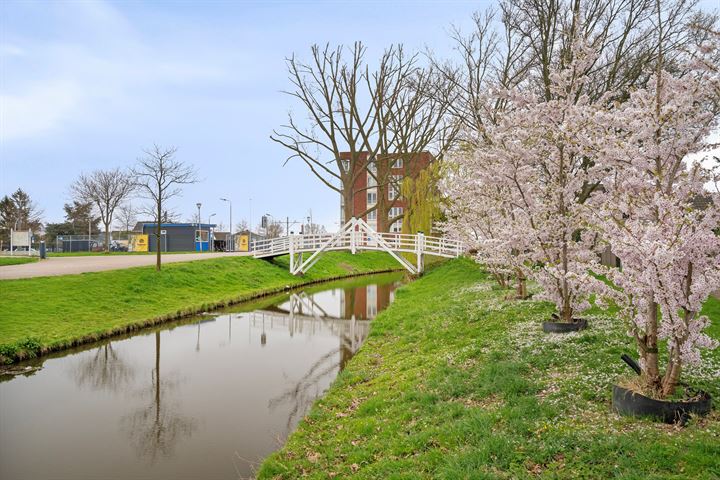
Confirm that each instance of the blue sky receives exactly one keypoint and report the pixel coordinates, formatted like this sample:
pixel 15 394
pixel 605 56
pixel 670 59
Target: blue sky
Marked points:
pixel 89 84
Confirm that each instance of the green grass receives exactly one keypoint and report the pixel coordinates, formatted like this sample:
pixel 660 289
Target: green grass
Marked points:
pixel 48 313
pixel 457 382
pixel 4 261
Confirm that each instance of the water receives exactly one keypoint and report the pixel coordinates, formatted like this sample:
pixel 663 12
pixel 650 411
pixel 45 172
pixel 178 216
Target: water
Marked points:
pixel 204 398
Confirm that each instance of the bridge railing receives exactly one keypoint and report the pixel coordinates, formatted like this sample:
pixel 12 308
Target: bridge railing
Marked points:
pixel 397 241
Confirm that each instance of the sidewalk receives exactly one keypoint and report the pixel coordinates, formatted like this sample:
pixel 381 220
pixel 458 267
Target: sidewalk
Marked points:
pixel 53 266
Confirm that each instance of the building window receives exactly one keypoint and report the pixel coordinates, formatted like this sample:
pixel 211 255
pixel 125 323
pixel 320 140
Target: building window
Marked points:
pixel 398 163
pixel 371 181
pixel 346 165
pixel 396 227
pixel 392 192
pixel 372 166
pixel 372 215
pixel 371 198
pixel 395 211
pixel 394 187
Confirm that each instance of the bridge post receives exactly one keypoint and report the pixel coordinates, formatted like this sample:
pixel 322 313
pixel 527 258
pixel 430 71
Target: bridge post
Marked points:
pixel 291 250
pixel 419 247
pixel 353 227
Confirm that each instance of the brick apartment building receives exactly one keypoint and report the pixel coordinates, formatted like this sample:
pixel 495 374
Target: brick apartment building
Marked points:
pixel 366 191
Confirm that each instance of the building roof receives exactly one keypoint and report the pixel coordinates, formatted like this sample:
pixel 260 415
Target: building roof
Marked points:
pixel 140 225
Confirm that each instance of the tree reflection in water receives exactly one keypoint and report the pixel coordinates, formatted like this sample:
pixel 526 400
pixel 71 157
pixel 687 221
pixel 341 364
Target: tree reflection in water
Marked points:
pixel 106 370
pixel 154 430
pixel 351 333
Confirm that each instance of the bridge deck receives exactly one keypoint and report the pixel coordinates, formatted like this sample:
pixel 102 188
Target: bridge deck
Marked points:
pixel 355 235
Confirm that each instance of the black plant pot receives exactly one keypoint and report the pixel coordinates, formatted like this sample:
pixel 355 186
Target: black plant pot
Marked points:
pixel 627 402
pixel 565 327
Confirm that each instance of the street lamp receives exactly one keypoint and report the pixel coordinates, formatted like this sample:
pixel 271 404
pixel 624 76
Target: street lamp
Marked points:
pixel 199 232
pixel 232 239
pixel 210 242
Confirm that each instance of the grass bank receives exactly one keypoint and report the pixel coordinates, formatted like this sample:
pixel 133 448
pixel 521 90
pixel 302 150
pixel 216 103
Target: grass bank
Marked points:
pixel 457 382
pixel 42 314
pixel 4 261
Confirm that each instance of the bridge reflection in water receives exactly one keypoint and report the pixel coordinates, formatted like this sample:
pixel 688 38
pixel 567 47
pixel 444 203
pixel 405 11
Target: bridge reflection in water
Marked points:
pixel 347 319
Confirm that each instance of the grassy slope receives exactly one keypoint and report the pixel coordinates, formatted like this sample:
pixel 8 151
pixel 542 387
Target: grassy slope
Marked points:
pixel 456 382
pixel 52 312
pixel 16 260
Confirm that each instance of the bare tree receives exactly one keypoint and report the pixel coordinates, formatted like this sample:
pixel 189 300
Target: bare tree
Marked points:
pixel 158 176
pixel 126 215
pixel 242 226
pixel 106 189
pixel 521 45
pixel 273 229
pixel 329 90
pixel 358 118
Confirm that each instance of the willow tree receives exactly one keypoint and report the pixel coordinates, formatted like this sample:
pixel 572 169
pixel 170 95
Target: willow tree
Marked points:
pixel 423 199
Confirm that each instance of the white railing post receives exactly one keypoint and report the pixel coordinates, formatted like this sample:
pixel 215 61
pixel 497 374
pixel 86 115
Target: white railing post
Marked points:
pixel 419 246
pixel 292 254
pixel 352 236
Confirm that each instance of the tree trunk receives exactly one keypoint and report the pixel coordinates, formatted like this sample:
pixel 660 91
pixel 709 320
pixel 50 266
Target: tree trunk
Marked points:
pixel 107 238
pixel 672 375
pixel 521 285
pixel 649 349
pixel 348 207
pixel 158 259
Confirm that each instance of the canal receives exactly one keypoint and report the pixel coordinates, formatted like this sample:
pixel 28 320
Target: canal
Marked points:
pixel 207 397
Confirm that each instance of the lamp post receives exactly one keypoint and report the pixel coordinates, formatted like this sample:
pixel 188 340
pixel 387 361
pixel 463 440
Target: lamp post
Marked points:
pixel 211 247
pixel 232 239
pixel 199 232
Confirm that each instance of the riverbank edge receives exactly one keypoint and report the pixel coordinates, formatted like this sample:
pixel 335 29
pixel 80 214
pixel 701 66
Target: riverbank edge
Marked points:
pixel 428 396
pixel 26 352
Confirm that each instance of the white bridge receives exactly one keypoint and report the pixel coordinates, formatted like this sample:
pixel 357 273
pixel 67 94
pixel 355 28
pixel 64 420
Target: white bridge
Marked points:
pixel 356 235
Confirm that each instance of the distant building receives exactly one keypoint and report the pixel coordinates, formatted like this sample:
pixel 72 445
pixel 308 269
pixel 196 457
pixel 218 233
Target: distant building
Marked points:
pixel 245 239
pixel 366 192
pixel 176 237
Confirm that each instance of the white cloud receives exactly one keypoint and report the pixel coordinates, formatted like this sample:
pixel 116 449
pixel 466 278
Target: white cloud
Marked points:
pixel 98 63
pixel 37 110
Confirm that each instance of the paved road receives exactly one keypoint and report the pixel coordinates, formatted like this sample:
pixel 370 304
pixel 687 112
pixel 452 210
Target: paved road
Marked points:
pixel 68 265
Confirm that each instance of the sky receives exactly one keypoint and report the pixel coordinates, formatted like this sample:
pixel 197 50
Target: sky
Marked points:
pixel 88 85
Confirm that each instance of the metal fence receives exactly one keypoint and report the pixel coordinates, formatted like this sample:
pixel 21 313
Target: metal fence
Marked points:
pixel 91 243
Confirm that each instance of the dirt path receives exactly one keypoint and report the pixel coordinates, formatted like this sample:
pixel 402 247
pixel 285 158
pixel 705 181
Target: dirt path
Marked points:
pixel 53 266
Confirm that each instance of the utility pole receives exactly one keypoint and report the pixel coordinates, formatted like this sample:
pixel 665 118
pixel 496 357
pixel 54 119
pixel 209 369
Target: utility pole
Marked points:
pixel 199 234
pixel 211 247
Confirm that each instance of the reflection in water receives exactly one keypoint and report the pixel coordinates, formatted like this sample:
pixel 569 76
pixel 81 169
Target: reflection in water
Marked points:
pixel 156 428
pixel 302 309
pixel 105 370
pixel 221 393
